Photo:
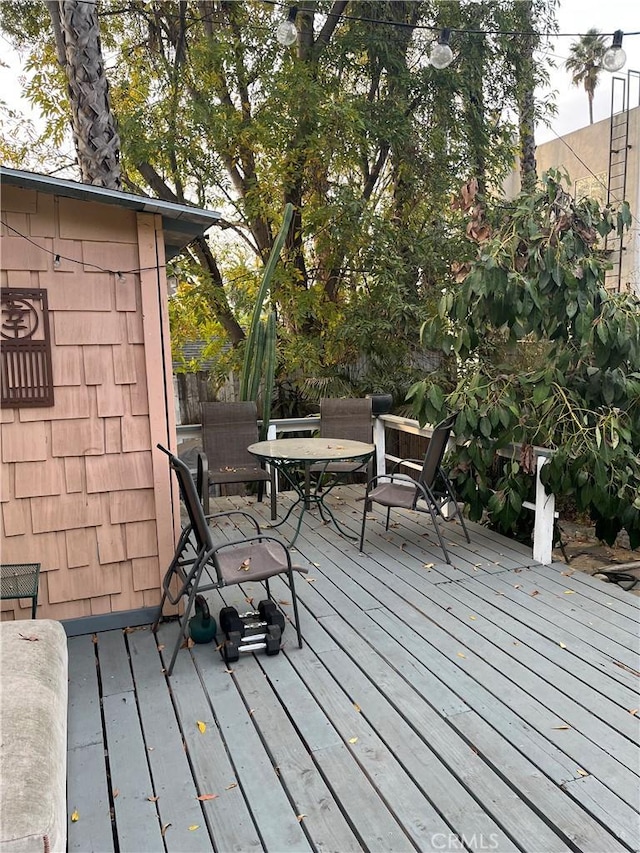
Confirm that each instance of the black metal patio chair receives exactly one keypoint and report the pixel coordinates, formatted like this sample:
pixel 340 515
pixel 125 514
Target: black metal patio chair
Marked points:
pixel 200 565
pixel 227 430
pixel 348 418
pixel 430 492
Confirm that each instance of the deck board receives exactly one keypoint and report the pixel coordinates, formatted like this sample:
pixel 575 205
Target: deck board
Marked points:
pixel 433 707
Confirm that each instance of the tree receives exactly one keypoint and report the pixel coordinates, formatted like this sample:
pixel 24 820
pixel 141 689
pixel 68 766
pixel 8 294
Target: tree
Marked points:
pixel 77 35
pixel 539 353
pixel 350 125
pixel 585 64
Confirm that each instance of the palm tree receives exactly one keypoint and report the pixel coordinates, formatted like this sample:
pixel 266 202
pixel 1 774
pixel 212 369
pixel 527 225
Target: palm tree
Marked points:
pixel 585 63
pixel 75 25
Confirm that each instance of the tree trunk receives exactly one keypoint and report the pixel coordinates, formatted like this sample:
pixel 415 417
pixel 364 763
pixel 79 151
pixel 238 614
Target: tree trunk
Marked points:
pixel 526 105
pixel 93 124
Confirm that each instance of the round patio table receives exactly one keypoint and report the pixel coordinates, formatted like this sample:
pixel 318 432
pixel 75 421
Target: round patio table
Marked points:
pixel 292 455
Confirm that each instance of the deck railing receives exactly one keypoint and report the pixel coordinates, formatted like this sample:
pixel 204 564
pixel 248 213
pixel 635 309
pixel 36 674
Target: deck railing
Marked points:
pixel 543 507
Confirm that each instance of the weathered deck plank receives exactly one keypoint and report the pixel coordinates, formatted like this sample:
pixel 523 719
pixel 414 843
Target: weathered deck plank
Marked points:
pixel 430 703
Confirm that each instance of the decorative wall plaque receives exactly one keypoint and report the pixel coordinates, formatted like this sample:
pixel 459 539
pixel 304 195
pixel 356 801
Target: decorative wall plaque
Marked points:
pixel 25 349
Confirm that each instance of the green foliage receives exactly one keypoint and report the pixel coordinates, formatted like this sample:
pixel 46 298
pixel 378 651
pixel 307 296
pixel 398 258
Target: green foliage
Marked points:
pixel 260 345
pixel 543 355
pixel 351 126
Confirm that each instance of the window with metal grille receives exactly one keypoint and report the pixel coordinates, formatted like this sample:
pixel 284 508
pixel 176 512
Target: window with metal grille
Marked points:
pixel 25 351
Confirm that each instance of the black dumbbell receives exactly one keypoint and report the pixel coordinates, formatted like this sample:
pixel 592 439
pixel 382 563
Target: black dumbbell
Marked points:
pixel 235 644
pixel 270 614
pixel 231 622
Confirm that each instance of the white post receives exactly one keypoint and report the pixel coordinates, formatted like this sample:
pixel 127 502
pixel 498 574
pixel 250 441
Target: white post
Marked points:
pixel 379 441
pixel 544 518
pixel 271 436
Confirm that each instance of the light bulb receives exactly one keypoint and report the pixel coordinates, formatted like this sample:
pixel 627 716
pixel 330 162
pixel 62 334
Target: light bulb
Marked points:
pixel 441 54
pixel 286 34
pixel 614 57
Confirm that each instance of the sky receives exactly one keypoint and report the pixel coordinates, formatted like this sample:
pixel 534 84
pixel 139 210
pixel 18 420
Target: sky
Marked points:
pixel 574 16
pixel 578 16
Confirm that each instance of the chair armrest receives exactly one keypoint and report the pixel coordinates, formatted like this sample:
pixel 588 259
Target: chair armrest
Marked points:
pixel 202 480
pixel 228 512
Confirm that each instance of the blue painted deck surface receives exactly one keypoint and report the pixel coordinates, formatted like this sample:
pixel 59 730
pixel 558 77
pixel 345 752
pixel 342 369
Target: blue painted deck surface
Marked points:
pixel 489 705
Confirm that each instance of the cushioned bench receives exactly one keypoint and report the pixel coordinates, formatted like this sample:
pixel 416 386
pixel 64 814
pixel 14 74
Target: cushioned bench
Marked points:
pixel 33 742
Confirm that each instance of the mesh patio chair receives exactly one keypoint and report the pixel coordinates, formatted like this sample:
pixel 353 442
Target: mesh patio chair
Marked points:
pixel 349 418
pixel 430 492
pixel 200 565
pixel 227 430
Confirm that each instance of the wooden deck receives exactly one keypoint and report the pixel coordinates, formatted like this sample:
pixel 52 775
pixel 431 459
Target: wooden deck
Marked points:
pixel 488 705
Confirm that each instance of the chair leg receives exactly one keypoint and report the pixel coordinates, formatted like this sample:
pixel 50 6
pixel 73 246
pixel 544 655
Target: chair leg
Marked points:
pixel 294 602
pixel 386 527
pixel 182 623
pixel 367 503
pixel 434 518
pixel 260 490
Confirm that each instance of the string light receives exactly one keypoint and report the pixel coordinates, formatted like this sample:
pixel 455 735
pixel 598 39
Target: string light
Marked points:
pixel 56 262
pixel 286 34
pixel 615 57
pixel 441 54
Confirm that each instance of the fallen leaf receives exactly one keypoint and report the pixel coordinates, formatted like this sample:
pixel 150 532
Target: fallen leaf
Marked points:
pixel 252 711
pixel 517 586
pixel 160 647
pixel 245 565
pixel 31 639
pixel 301 817
pixel 428 565
pixel 569 592
pixel 232 785
pixel 153 799
pixel 75 816
pixel 633 711
pixel 473 617
pixel 567 574
pixel 201 726
pixel 284 602
pixel 625 667
pixel 194 826
pixel 165 827
pixel 310 580
pixel 204 797
pixel 353 740
pixel 562 645
pixel 535 592
pixel 560 728
pixel 150 748
pixel 115 793
pixel 461 655
pixel 229 671
pixel 582 772
pixel 357 707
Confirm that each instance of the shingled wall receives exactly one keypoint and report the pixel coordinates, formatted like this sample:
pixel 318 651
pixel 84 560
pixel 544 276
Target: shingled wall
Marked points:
pixel 83 493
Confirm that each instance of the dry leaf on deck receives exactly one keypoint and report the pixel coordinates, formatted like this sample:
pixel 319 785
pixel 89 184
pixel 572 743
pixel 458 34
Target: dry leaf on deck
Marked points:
pixel 115 793
pixel 153 799
pixel 633 711
pixel 560 728
pixel 75 816
pixel 232 785
pixel 461 655
pixel 356 706
pixel 569 592
pixel 562 645
pixel 201 726
pixel 428 565
pixel 194 826
pixel 310 580
pixel 353 740
pixel 535 592
pixel 301 817
pixel 165 827
pixel 582 772
pixel 204 797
